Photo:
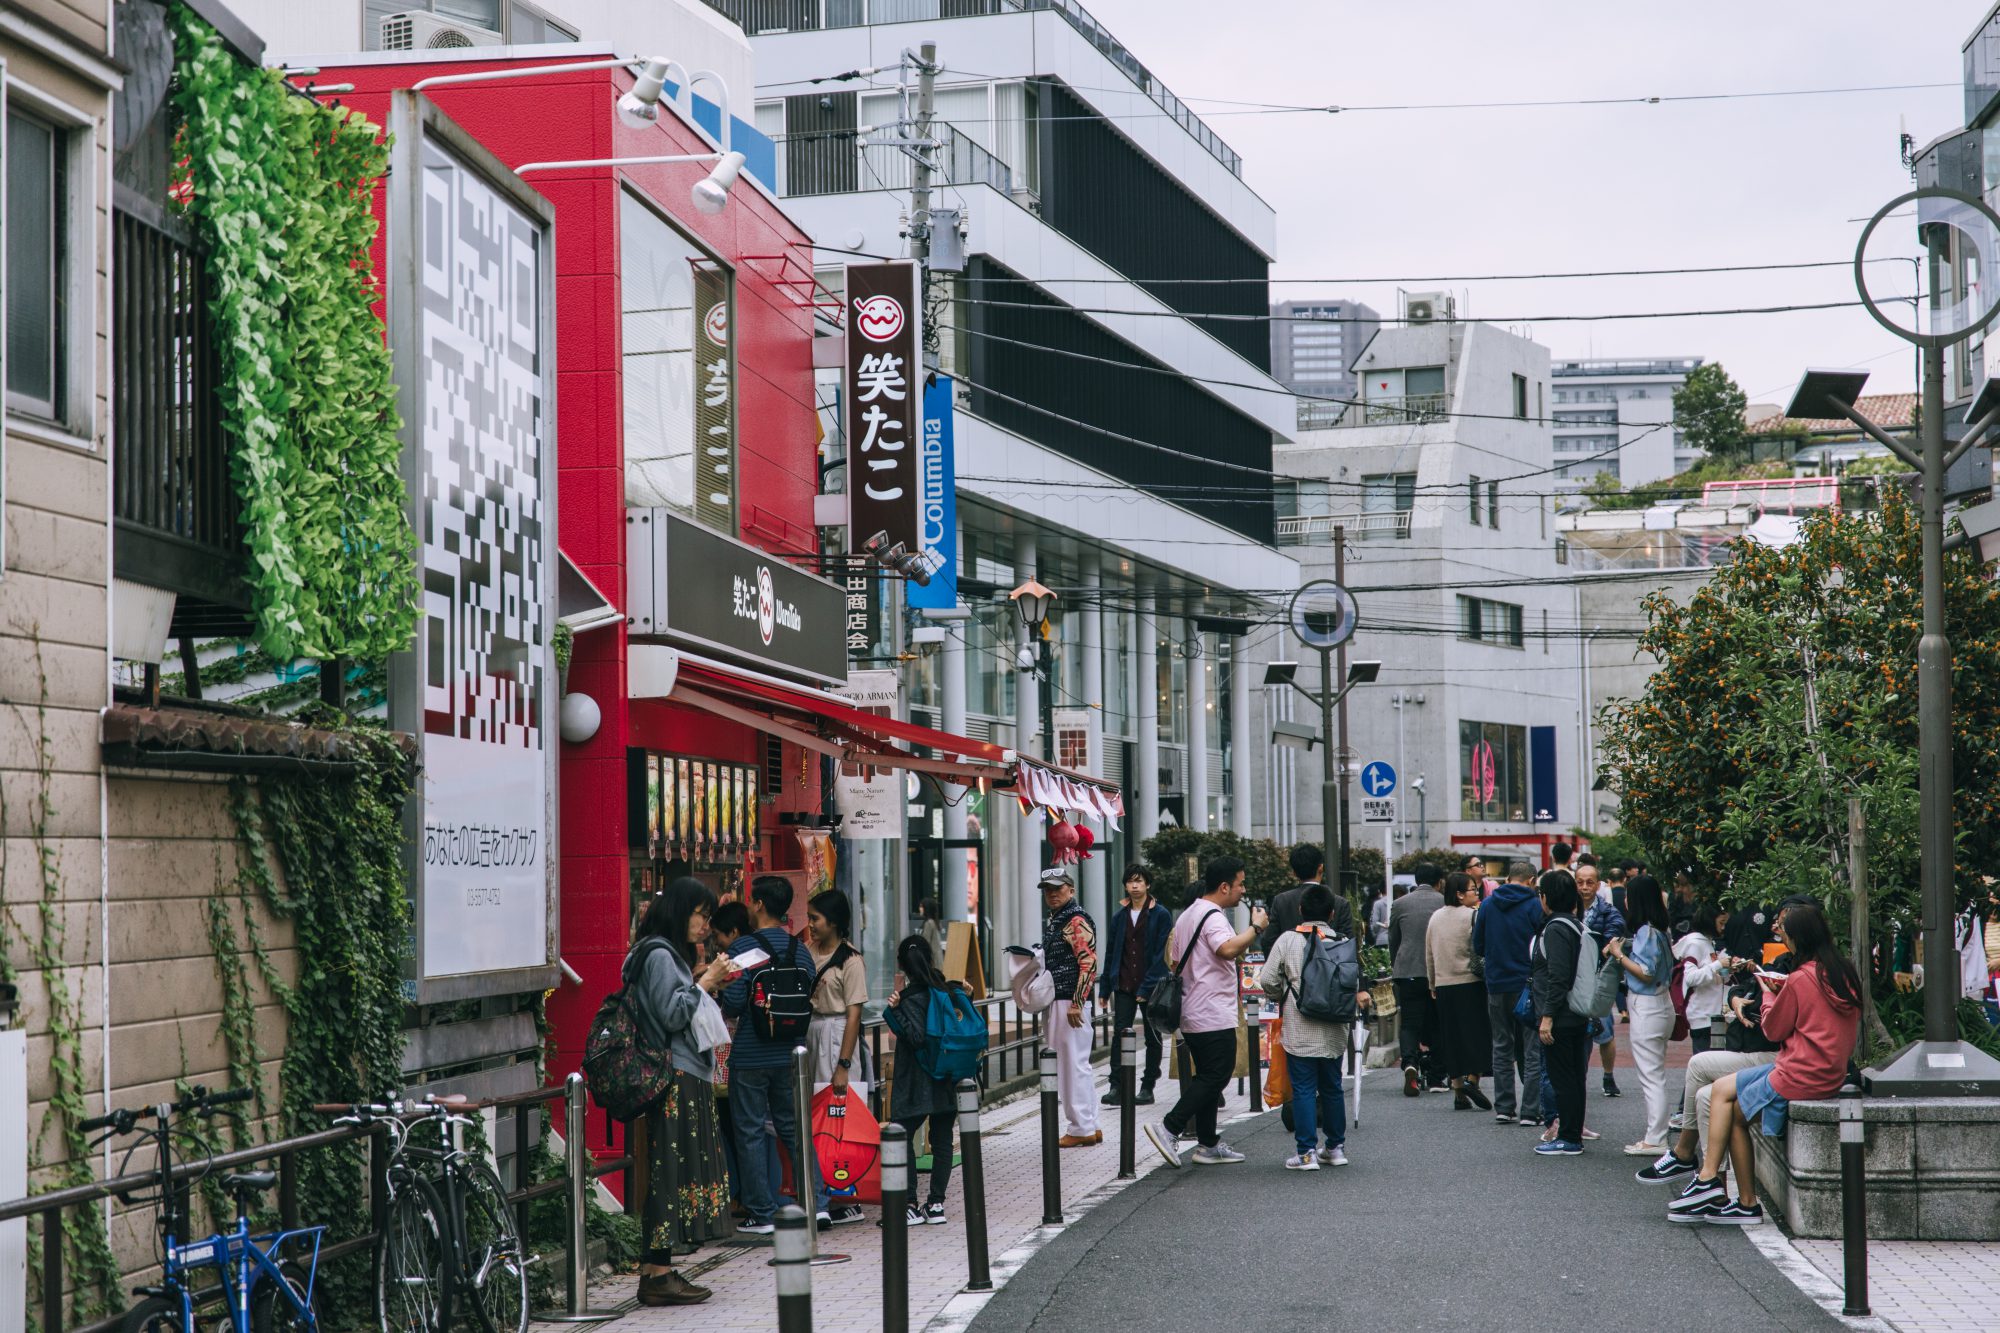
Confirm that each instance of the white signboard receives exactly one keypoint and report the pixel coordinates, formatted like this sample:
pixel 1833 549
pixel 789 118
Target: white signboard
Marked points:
pixel 873 690
pixel 1378 809
pixel 470 312
pixel 870 807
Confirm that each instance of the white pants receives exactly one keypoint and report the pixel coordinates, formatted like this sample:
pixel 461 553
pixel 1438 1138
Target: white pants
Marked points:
pixel 1074 1085
pixel 1702 1072
pixel 1652 1024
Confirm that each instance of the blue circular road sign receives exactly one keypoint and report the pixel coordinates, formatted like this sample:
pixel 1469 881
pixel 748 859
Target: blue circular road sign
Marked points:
pixel 1378 779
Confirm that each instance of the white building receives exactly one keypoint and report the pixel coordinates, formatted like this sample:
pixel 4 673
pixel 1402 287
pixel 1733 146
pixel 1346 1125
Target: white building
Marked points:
pixel 1440 487
pixel 1617 417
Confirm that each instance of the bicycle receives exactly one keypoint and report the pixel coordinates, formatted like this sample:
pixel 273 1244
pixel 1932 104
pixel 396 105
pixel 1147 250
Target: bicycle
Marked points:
pixel 251 1275
pixel 448 1232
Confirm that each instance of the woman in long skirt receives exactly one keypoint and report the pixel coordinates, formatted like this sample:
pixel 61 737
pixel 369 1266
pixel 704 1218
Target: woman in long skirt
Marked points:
pixel 1460 994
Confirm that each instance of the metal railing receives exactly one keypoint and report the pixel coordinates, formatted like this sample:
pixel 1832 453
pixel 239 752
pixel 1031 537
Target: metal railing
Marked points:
pixel 774 16
pixel 1774 494
pixel 1320 413
pixel 842 163
pixel 1407 408
pixel 1314 529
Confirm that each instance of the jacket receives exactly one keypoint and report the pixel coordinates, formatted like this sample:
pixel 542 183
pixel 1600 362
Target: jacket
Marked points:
pixel 1704 981
pixel 1448 947
pixel 1285 916
pixel 1408 920
pixel 1069 951
pixel 913 1093
pixel 1156 924
pixel 1553 972
pixel 1502 929
pixel 668 998
pixel 751 1051
pixel 1816 1033
pixel 1307 1038
pixel 1748 1037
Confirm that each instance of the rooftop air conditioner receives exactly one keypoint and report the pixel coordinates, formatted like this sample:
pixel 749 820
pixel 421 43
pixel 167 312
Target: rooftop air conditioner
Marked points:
pixel 414 30
pixel 1429 307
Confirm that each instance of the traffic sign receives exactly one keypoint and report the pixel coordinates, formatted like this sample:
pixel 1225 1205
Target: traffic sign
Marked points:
pixel 1378 779
pixel 1378 810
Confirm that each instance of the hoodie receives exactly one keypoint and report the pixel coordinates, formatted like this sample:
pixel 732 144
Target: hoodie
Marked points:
pixel 1502 929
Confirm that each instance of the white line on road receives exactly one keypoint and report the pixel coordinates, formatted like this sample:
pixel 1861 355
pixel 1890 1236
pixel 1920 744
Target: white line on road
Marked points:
pixel 1803 1274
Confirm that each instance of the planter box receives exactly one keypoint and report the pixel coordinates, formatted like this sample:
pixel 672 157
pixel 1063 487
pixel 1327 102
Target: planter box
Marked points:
pixel 1932 1167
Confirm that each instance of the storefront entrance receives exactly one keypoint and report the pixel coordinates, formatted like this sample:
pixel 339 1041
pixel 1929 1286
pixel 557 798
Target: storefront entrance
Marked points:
pixel 927 880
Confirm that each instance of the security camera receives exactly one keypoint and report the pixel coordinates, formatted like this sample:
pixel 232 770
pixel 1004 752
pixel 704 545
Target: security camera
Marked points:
pixel 825 102
pixel 1417 783
pixel 1025 659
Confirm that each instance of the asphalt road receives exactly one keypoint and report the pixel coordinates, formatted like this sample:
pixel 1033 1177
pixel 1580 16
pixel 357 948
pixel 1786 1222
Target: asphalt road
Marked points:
pixel 1443 1220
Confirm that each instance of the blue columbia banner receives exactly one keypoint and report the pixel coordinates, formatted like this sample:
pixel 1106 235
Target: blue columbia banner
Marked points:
pixel 938 507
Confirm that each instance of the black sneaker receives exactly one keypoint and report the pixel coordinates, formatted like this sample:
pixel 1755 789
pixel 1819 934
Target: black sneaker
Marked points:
pixel 1734 1214
pixel 1700 1198
pixel 1665 1167
pixel 1611 1087
pixel 1144 1097
pixel 1412 1082
pixel 1111 1098
pixel 1503 1117
pixel 1479 1099
pixel 934 1214
pixel 841 1216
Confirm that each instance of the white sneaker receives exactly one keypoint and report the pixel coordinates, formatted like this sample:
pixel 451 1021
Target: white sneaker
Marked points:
pixel 1334 1156
pixel 1221 1154
pixel 1302 1162
pixel 1163 1139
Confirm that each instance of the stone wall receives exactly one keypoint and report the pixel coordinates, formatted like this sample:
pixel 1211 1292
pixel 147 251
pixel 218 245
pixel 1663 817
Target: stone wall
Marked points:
pixel 1932 1167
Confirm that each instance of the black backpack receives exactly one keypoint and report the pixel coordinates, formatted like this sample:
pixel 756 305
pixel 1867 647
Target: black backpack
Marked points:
pixel 781 999
pixel 1329 979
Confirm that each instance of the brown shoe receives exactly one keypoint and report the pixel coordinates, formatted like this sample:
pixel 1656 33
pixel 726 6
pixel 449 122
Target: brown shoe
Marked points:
pixel 1095 1136
pixel 1073 1140
pixel 670 1289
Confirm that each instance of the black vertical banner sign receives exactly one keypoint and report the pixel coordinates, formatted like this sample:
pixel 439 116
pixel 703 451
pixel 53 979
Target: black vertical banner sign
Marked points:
pixel 884 399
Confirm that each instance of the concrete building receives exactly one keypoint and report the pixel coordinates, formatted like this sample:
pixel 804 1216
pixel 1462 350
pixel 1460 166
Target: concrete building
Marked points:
pixel 1439 485
pixel 1314 345
pixel 1616 416
pixel 1103 445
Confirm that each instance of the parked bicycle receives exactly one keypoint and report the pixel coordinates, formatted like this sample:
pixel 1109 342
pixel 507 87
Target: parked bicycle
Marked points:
pixel 257 1288
pixel 448 1239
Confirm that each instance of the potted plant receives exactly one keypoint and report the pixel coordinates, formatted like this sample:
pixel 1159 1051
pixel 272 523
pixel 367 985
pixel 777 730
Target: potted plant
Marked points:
pixel 1375 965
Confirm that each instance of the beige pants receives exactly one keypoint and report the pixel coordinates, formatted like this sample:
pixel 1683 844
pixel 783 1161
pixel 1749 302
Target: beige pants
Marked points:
pixel 1702 1071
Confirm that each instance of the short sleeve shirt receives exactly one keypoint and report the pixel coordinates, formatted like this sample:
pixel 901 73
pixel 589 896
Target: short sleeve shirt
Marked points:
pixel 1208 980
pixel 844 986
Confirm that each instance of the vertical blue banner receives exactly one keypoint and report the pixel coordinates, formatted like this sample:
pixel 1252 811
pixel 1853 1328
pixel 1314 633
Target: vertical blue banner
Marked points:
pixel 938 513
pixel 1543 803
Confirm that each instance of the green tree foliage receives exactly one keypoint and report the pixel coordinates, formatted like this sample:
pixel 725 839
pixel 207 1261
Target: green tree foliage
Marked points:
pixel 1708 412
pixel 279 187
pixel 1267 870
pixel 1784 690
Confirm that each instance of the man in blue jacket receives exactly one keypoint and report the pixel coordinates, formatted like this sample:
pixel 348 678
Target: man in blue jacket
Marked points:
pixel 1502 929
pixel 1134 963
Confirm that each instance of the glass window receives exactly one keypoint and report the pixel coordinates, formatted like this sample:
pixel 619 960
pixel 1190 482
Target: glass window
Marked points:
pixel 1521 397
pixel 1493 504
pixel 1117 664
pixel 1481 620
pixel 1472 490
pixel 680 371
pixel 1492 771
pixel 36 266
pixel 1171 682
pixel 480 13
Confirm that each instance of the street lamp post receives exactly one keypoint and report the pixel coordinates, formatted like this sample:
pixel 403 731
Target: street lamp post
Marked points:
pixel 1941 1063
pixel 1035 603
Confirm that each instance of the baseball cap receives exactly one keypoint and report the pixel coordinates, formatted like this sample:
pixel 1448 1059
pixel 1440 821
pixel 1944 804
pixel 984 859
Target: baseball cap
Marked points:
pixel 1056 877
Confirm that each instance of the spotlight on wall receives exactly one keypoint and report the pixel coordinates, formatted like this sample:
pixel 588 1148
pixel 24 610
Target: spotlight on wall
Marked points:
pixel 1297 735
pixel 712 193
pixel 578 718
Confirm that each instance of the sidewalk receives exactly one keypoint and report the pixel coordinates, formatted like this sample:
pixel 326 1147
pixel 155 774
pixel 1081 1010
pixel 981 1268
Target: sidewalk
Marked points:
pixel 849 1296
pixel 1921 1286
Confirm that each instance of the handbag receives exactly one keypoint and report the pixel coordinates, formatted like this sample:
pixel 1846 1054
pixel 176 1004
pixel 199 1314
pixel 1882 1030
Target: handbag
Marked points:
pixel 1163 1006
pixel 710 1028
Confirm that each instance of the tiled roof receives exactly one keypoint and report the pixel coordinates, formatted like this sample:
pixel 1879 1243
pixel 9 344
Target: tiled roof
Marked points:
pixel 1890 411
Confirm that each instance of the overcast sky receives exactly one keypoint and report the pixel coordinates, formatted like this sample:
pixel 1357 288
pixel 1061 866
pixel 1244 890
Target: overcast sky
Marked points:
pixel 1414 193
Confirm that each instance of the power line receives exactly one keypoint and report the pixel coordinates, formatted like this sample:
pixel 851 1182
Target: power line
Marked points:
pixel 1484 277
pixel 1228 318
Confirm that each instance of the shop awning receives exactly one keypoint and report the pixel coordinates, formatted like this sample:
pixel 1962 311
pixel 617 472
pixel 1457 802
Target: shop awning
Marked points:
pixel 810 718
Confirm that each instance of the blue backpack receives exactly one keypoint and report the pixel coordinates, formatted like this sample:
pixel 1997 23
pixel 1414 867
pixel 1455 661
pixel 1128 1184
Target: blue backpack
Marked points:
pixel 954 1036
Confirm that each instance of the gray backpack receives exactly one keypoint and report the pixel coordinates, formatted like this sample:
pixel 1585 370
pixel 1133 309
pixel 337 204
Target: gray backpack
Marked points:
pixel 1329 979
pixel 1595 988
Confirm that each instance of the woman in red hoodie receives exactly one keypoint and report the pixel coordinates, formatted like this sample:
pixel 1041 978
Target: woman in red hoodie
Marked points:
pixel 1814 1013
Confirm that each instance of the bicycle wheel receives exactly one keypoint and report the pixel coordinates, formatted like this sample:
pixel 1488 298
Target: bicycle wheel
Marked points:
pixel 411 1259
pixel 494 1264
pixel 155 1314
pixel 270 1312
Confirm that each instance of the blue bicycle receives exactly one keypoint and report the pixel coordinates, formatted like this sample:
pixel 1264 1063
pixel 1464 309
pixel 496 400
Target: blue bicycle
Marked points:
pixel 259 1287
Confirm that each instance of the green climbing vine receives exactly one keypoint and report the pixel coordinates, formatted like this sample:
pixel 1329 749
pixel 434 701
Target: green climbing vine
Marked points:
pixel 280 187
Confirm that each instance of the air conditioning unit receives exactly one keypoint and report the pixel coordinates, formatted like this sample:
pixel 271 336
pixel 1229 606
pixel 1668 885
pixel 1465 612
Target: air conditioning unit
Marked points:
pixel 415 30
pixel 1428 307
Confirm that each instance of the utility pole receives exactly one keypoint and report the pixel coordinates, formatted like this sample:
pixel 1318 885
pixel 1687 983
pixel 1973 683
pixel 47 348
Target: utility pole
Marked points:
pixel 920 185
pixel 1337 752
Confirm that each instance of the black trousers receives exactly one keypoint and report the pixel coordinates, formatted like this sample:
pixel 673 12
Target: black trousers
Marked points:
pixel 1418 1034
pixel 940 1143
pixel 1214 1057
pixel 1125 1014
pixel 1567 1060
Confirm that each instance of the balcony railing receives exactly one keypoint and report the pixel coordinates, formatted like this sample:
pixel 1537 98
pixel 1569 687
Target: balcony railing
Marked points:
pixel 774 16
pixel 1319 414
pixel 842 164
pixel 172 497
pixel 1317 529
pixel 1774 494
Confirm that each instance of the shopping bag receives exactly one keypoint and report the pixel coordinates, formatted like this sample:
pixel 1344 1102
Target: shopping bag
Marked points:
pixel 1278 1083
pixel 848 1142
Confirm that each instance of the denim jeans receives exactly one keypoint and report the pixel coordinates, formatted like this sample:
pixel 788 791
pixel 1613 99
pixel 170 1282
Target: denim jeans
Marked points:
pixel 1316 1101
pixel 755 1094
pixel 1508 1034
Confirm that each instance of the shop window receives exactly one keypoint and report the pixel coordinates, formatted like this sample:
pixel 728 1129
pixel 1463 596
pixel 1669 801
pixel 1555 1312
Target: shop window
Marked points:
pixel 1493 771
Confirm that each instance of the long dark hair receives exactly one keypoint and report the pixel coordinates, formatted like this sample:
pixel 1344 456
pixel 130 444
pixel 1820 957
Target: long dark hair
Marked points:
pixel 1558 888
pixel 667 916
pixel 919 968
pixel 1646 904
pixel 838 911
pixel 1811 940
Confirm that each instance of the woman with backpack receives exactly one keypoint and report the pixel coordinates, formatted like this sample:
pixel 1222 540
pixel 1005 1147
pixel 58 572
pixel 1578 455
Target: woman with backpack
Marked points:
pixel 840 989
pixel 1648 964
pixel 1459 993
pixel 1559 950
pixel 687 1195
pixel 1315 1042
pixel 916 1097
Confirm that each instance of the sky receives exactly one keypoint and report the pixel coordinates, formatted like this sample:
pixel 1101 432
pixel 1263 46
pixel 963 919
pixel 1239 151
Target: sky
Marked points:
pixel 1417 193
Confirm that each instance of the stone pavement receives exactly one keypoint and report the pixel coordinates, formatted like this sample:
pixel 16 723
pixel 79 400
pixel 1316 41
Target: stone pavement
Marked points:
pixel 848 1296
pixel 1922 1286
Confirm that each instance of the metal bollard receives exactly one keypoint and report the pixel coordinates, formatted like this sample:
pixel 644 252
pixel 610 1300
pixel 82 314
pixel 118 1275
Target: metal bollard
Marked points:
pixel 895 1227
pixel 1853 1202
pixel 793 1241
pixel 803 1169
pixel 1052 1214
pixel 1128 1114
pixel 972 1172
pixel 576 1163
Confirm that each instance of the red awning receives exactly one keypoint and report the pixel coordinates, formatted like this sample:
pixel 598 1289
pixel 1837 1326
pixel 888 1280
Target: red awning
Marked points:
pixel 862 737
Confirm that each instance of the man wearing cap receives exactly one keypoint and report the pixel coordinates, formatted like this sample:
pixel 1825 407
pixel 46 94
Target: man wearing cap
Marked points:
pixel 1069 951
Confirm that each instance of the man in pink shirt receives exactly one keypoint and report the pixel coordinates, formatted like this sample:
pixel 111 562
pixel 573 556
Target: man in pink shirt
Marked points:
pixel 1205 948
